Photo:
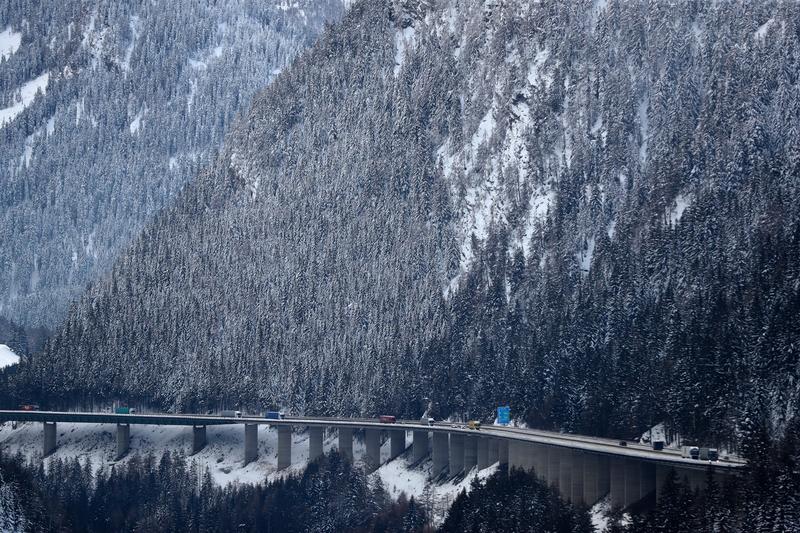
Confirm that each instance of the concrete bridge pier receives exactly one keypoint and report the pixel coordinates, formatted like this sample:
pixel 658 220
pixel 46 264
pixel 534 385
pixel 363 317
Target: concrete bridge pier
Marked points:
pixel 49 438
pixel 595 478
pixel 198 438
pixel 483 452
pixel 565 465
pixel 284 447
pixel 346 443
pixel 494 452
pixel 372 439
pixel 441 453
pixel 539 458
pixel 315 437
pixel 553 466
pixel 250 443
pixel 123 439
pixel 420 445
pixel 456 453
pixel 470 452
pixel 502 452
pixel 617 482
pixel 578 470
pixel 397 442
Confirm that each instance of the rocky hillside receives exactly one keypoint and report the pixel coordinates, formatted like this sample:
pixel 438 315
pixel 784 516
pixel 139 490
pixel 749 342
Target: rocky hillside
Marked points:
pixel 587 209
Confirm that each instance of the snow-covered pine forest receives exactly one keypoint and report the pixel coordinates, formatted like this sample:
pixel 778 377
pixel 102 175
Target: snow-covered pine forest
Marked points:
pixel 589 210
pixel 107 109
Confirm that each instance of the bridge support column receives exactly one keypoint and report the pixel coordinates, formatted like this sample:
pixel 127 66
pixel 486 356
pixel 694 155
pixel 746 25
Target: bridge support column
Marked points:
pixel 617 481
pixel 198 438
pixel 49 438
pixel 420 445
pixel 315 437
pixel 372 439
pixel 483 452
pixel 633 481
pixel 494 451
pixel 456 453
pixel 513 455
pixel 250 443
pixel 502 452
pixel 595 478
pixel 441 453
pixel 661 476
pixel 647 479
pixel 576 493
pixel 346 443
pixel 540 461
pixel 397 442
pixel 284 447
pixel 123 439
pixel 553 466
pixel 565 474
pixel 470 452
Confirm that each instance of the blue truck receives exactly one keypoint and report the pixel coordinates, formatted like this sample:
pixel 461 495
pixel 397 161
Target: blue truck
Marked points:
pixel 274 415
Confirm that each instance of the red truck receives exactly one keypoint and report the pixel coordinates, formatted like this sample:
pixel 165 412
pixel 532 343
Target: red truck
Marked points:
pixel 387 419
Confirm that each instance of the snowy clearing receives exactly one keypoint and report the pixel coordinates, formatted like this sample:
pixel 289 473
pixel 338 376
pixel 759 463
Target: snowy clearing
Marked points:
pixel 7 356
pixel 9 43
pixel 27 93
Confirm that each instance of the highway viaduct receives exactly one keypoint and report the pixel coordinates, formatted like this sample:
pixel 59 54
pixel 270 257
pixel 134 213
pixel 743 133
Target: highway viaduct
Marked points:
pixel 583 469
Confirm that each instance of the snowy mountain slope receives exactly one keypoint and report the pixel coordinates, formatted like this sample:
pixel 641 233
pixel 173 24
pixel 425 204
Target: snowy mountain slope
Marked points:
pixel 588 210
pixel 133 98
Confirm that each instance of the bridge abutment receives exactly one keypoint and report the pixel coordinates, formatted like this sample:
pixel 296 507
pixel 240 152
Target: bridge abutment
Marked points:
pixel 397 442
pixel 284 447
pixel 441 453
pixel 315 438
pixel 420 445
pixel 250 443
pixel 49 445
pixel 198 438
pixel 123 439
pixel 346 443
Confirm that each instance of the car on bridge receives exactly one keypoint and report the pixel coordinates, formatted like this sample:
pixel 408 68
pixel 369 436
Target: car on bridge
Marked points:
pixel 29 407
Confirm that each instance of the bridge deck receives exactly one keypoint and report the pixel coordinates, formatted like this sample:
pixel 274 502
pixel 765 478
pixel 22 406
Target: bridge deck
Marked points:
pixel 572 441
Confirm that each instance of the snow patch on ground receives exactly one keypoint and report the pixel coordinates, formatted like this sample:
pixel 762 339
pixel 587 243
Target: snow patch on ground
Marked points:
pixel 7 356
pixel 643 129
pixel 536 76
pixel 538 208
pixel 223 455
pixel 681 203
pixel 761 32
pixel 9 42
pixel 137 122
pixel 24 98
pixel 400 477
pixel 584 256
pixel 599 514
pixel 134 25
pixel 404 40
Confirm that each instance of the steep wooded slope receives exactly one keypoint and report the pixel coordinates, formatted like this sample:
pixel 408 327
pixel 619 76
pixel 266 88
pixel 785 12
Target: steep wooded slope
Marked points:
pixel 135 97
pixel 588 210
